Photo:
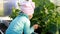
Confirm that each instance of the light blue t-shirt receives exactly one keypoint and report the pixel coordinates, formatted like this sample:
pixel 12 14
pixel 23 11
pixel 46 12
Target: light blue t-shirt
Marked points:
pixel 19 25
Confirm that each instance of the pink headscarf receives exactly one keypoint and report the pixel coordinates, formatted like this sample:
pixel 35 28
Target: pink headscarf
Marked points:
pixel 28 7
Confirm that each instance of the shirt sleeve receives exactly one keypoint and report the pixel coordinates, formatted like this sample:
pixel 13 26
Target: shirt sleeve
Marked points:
pixel 31 30
pixel 27 29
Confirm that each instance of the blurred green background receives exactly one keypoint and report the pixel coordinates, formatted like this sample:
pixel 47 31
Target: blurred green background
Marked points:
pixel 46 15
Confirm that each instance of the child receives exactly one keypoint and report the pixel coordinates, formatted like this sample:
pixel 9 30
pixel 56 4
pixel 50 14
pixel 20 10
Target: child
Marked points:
pixel 22 22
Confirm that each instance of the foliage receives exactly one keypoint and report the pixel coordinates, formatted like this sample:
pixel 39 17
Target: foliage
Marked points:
pixel 14 13
pixel 46 16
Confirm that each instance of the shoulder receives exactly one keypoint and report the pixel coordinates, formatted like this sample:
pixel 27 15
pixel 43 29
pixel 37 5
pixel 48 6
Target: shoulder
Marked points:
pixel 23 18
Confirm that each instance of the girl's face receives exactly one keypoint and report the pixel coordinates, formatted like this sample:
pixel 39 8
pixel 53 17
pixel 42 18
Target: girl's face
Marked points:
pixel 30 16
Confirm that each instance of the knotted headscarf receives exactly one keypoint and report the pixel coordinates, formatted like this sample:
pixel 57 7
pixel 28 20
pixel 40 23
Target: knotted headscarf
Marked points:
pixel 27 7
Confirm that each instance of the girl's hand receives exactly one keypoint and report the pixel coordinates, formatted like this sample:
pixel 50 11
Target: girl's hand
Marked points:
pixel 36 26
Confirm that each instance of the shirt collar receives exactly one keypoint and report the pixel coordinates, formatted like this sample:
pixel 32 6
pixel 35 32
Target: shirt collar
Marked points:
pixel 22 14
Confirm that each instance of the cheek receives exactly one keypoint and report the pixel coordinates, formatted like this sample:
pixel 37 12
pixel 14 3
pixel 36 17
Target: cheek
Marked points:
pixel 31 16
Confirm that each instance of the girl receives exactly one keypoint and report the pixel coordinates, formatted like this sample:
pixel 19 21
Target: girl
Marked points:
pixel 22 22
